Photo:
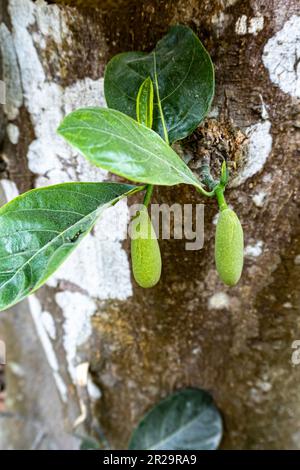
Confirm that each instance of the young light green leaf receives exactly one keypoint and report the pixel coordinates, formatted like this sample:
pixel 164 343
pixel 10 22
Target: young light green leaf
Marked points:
pixel 117 143
pixel 224 174
pixel 144 115
pixel 144 103
pixel 186 420
pixel 183 77
pixel 40 228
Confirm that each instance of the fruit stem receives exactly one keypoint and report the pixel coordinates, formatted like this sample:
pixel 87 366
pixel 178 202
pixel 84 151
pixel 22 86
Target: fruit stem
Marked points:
pixel 148 195
pixel 219 193
pixel 205 175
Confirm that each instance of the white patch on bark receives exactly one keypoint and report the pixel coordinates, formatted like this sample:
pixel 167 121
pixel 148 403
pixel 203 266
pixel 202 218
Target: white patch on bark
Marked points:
pixel 267 178
pixel 256 24
pixel 241 25
pixel 281 57
pixel 264 386
pixel 216 218
pixel 32 72
pixel 10 189
pixel 264 109
pixel 253 25
pixel 83 379
pixel 82 374
pixel 255 250
pixel 16 369
pixel 220 21
pixel 10 73
pixel 13 133
pixel 36 312
pixel 287 305
pixel 93 391
pixel 259 149
pixel 219 301
pixel 213 113
pixel 49 324
pixel 77 310
pixel 229 3
pixel 259 199
pixel 297 260
pixel 50 22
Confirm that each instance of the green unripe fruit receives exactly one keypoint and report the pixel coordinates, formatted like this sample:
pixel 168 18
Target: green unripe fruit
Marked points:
pixel 229 247
pixel 145 252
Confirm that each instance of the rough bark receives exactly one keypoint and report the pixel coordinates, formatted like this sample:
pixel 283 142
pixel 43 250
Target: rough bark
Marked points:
pixel 190 330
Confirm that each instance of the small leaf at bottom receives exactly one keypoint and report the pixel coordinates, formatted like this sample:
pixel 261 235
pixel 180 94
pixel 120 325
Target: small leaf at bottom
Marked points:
pixel 186 420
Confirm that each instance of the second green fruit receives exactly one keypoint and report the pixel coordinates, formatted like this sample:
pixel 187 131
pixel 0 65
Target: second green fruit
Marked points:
pixel 145 252
pixel 229 247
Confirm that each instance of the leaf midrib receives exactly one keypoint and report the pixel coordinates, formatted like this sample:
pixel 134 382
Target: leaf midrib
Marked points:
pixel 194 182
pixel 170 436
pixel 44 209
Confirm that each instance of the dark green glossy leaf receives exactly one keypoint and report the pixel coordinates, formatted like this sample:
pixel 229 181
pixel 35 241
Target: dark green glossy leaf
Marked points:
pixel 40 228
pixel 116 142
pixel 186 420
pixel 183 78
pixel 144 103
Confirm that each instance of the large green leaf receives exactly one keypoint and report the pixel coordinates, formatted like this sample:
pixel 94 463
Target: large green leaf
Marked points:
pixel 186 420
pixel 40 228
pixel 183 77
pixel 118 143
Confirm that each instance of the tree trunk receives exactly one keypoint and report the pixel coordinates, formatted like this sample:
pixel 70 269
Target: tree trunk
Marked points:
pixel 190 330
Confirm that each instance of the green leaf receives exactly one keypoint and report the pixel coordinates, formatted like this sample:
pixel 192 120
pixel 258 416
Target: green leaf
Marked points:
pixel 144 103
pixel 183 77
pixel 144 115
pixel 224 174
pixel 117 143
pixel 40 228
pixel 186 420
